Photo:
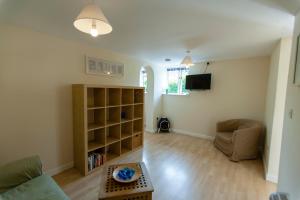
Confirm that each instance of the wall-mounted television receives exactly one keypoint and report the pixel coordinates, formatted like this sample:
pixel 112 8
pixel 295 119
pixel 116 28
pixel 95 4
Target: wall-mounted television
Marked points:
pixel 198 82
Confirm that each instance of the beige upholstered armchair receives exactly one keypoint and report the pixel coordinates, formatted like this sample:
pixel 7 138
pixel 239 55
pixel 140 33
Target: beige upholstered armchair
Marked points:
pixel 239 138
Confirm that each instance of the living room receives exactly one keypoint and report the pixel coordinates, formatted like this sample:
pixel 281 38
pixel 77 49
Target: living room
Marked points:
pixel 52 92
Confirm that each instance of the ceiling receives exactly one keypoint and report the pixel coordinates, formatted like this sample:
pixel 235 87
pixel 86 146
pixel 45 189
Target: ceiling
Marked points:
pixel 153 30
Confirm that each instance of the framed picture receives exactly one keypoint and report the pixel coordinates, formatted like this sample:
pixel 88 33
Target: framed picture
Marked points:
pixel 96 66
pixel 297 63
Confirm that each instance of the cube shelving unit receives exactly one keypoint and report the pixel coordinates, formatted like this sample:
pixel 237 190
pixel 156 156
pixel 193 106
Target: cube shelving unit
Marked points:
pixel 107 120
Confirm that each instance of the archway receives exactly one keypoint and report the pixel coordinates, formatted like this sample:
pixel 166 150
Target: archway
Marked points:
pixel 147 81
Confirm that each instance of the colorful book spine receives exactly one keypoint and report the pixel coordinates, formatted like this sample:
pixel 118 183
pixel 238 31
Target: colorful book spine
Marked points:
pixel 95 160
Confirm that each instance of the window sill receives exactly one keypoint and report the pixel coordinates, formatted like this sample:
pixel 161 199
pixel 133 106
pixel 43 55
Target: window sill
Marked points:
pixel 177 94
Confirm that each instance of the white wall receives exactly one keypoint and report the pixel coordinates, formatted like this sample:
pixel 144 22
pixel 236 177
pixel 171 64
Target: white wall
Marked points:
pixel 238 91
pixel 36 73
pixel 159 82
pixel 275 104
pixel 289 170
pixel 270 99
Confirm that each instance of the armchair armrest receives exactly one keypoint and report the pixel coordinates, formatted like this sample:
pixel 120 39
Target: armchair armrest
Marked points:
pixel 245 143
pixel 228 125
pixel 18 172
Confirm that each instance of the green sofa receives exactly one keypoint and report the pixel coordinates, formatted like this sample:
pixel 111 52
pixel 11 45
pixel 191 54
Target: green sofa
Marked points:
pixel 24 180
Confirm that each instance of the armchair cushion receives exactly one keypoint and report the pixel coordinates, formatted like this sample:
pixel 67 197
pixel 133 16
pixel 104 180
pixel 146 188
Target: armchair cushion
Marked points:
pixel 18 172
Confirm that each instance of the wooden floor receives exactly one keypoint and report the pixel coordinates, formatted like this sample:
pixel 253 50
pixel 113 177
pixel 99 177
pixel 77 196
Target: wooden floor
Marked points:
pixel 182 168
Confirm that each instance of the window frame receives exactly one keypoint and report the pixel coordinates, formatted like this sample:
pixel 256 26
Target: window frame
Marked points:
pixel 143 77
pixel 181 71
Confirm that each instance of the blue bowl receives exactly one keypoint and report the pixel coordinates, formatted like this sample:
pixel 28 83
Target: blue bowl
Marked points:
pixel 126 173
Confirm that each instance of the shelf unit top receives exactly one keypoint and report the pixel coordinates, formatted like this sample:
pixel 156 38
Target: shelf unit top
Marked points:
pixel 108 86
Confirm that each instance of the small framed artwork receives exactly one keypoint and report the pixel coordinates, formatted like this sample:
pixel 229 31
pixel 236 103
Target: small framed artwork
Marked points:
pixel 297 63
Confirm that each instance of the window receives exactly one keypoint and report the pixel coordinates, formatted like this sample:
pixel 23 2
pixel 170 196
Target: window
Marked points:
pixel 176 80
pixel 143 79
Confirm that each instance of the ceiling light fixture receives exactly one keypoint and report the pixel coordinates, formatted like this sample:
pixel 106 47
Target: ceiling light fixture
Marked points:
pixel 91 20
pixel 187 60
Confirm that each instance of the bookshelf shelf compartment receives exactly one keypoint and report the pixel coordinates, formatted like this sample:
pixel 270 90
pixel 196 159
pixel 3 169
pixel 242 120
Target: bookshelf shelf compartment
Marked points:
pixel 113 134
pixel 95 97
pixel 92 127
pixel 137 141
pixel 107 122
pixel 95 159
pixel 113 151
pixel 113 115
pixel 113 97
pixel 137 126
pixel 96 139
pixel 110 156
pixel 126 129
pixel 127 96
pixel 126 145
pixel 96 119
pixel 127 113
pixel 95 145
pixel 138 95
pixel 138 111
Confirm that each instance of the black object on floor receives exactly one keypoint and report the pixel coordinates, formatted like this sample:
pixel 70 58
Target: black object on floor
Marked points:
pixel 163 125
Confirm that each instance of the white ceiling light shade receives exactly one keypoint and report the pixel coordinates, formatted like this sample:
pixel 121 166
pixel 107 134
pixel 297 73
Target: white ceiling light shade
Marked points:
pixel 187 60
pixel 91 20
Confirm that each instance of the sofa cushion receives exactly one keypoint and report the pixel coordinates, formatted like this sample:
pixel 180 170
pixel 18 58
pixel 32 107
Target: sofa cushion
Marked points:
pixel 40 188
pixel 18 172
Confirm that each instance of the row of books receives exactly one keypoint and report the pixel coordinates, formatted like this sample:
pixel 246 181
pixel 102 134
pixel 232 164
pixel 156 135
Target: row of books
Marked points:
pixel 95 160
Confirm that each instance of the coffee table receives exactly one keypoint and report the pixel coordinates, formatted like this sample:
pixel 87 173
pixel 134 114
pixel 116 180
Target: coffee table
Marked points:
pixel 112 190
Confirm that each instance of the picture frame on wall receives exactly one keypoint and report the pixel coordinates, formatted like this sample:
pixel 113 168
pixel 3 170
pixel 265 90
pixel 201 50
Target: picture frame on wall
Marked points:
pixel 297 63
pixel 96 66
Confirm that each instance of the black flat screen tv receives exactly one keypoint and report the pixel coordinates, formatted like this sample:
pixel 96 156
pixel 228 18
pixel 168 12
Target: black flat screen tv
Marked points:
pixel 198 82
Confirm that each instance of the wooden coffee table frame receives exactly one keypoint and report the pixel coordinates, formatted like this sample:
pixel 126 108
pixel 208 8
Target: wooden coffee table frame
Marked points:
pixel 112 190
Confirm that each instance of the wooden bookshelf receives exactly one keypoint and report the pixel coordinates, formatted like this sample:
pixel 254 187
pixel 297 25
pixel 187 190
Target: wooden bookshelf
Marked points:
pixel 107 120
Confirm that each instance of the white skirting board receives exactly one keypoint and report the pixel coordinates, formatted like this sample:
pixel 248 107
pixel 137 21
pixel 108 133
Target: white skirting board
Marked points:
pixel 57 170
pixel 149 130
pixel 199 135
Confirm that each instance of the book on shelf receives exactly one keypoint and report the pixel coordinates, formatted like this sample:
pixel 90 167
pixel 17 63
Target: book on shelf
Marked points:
pixel 95 160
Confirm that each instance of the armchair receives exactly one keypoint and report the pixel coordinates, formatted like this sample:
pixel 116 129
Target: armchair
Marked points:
pixel 239 139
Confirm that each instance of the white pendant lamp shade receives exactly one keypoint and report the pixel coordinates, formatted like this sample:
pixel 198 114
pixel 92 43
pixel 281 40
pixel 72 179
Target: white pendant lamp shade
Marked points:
pixel 187 61
pixel 91 20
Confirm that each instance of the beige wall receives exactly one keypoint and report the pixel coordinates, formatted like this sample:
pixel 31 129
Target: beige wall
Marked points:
pixel 275 104
pixel 36 73
pixel 238 91
pixel 289 170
